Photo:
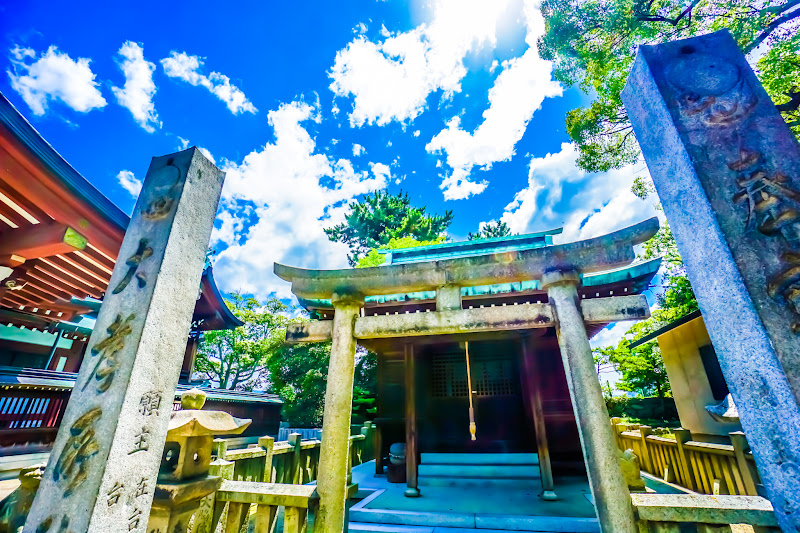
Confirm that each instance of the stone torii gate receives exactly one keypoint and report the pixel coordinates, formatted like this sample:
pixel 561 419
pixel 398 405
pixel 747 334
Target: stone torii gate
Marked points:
pixel 559 269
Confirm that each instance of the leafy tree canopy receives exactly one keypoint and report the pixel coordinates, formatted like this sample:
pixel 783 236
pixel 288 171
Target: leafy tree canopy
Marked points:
pixel 374 258
pixel 235 358
pixel 494 228
pixel 380 217
pixel 592 44
pixel 299 373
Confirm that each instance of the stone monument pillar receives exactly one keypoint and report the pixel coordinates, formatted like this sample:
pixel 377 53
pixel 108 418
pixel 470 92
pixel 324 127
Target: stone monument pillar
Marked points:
pixel 727 169
pixel 335 448
pixel 612 500
pixel 102 471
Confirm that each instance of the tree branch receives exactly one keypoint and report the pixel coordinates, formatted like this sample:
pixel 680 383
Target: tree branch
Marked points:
pixel 772 26
pixel 793 104
pixel 674 22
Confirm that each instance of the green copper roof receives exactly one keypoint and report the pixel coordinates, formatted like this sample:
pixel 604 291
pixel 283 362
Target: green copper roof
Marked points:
pixel 449 250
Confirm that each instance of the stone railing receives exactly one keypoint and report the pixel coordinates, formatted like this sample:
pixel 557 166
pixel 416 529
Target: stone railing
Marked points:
pixel 666 513
pixel 294 461
pixel 699 466
pixel 299 503
pixel 249 481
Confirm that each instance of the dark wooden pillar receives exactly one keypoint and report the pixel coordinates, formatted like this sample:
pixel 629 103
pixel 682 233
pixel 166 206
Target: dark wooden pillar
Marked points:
pixel 533 397
pixel 411 423
pixel 377 442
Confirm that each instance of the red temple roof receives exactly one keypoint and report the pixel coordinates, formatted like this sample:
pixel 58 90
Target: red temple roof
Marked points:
pixel 60 236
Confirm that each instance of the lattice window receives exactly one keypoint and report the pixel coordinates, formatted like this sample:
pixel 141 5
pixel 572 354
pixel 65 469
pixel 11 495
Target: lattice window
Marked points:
pixel 492 375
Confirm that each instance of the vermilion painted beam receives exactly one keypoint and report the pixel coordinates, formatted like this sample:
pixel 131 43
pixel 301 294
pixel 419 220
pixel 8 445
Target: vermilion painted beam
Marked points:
pixel 23 202
pixel 22 172
pixel 47 279
pixel 41 240
pixel 101 276
pixel 11 260
pixel 78 274
pixel 71 282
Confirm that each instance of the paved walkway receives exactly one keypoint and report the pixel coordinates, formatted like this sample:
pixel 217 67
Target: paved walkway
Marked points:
pixel 501 506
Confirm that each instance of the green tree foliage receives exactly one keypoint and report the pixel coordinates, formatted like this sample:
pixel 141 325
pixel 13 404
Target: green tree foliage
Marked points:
pixel 374 258
pixel 380 217
pixel 592 44
pixel 235 358
pixel 489 230
pixel 642 368
pixel 299 373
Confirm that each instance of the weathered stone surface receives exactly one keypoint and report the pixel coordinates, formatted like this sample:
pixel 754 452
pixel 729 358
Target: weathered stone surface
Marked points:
pixel 15 508
pixel 102 471
pixel 266 493
pixel 611 495
pixel 193 399
pixel 631 471
pixel 727 169
pixel 190 422
pixel 725 411
pixel 592 255
pixel 448 297
pixel 496 318
pixel 334 451
pixel 705 509
pixel 454 321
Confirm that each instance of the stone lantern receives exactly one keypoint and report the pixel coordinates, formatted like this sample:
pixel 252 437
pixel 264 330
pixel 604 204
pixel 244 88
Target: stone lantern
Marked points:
pixel 183 479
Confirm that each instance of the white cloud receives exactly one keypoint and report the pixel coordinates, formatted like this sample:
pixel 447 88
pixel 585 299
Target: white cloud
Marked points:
pixel 391 79
pixel 184 143
pixel 129 182
pixel 293 193
pixel 186 67
pixel 54 76
pixel 416 133
pixel 518 92
pixel 610 335
pixel 585 204
pixel 381 171
pixel 137 93
pixel 207 153
pixel 358 150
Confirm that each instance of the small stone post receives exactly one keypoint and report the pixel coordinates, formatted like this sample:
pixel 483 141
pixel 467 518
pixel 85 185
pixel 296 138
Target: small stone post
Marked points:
pixel 102 471
pixel 611 496
pixel 727 170
pixel 334 450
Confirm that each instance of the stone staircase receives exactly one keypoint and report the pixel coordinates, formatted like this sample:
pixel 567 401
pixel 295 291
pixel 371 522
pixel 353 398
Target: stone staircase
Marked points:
pixel 501 470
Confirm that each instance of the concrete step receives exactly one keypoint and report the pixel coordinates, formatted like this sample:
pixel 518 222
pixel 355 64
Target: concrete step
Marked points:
pixel 479 471
pixel 533 484
pixel 390 528
pixel 480 458
pixel 374 521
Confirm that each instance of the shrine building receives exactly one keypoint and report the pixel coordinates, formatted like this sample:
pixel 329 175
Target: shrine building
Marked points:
pixel 483 351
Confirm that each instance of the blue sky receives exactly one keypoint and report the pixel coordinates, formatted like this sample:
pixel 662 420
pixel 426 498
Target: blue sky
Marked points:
pixel 309 105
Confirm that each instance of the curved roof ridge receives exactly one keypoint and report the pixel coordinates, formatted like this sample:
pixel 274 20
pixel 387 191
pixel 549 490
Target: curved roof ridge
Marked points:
pixel 23 130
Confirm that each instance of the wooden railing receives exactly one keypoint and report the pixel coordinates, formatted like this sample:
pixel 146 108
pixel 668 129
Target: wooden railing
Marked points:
pixel 665 513
pixel 704 467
